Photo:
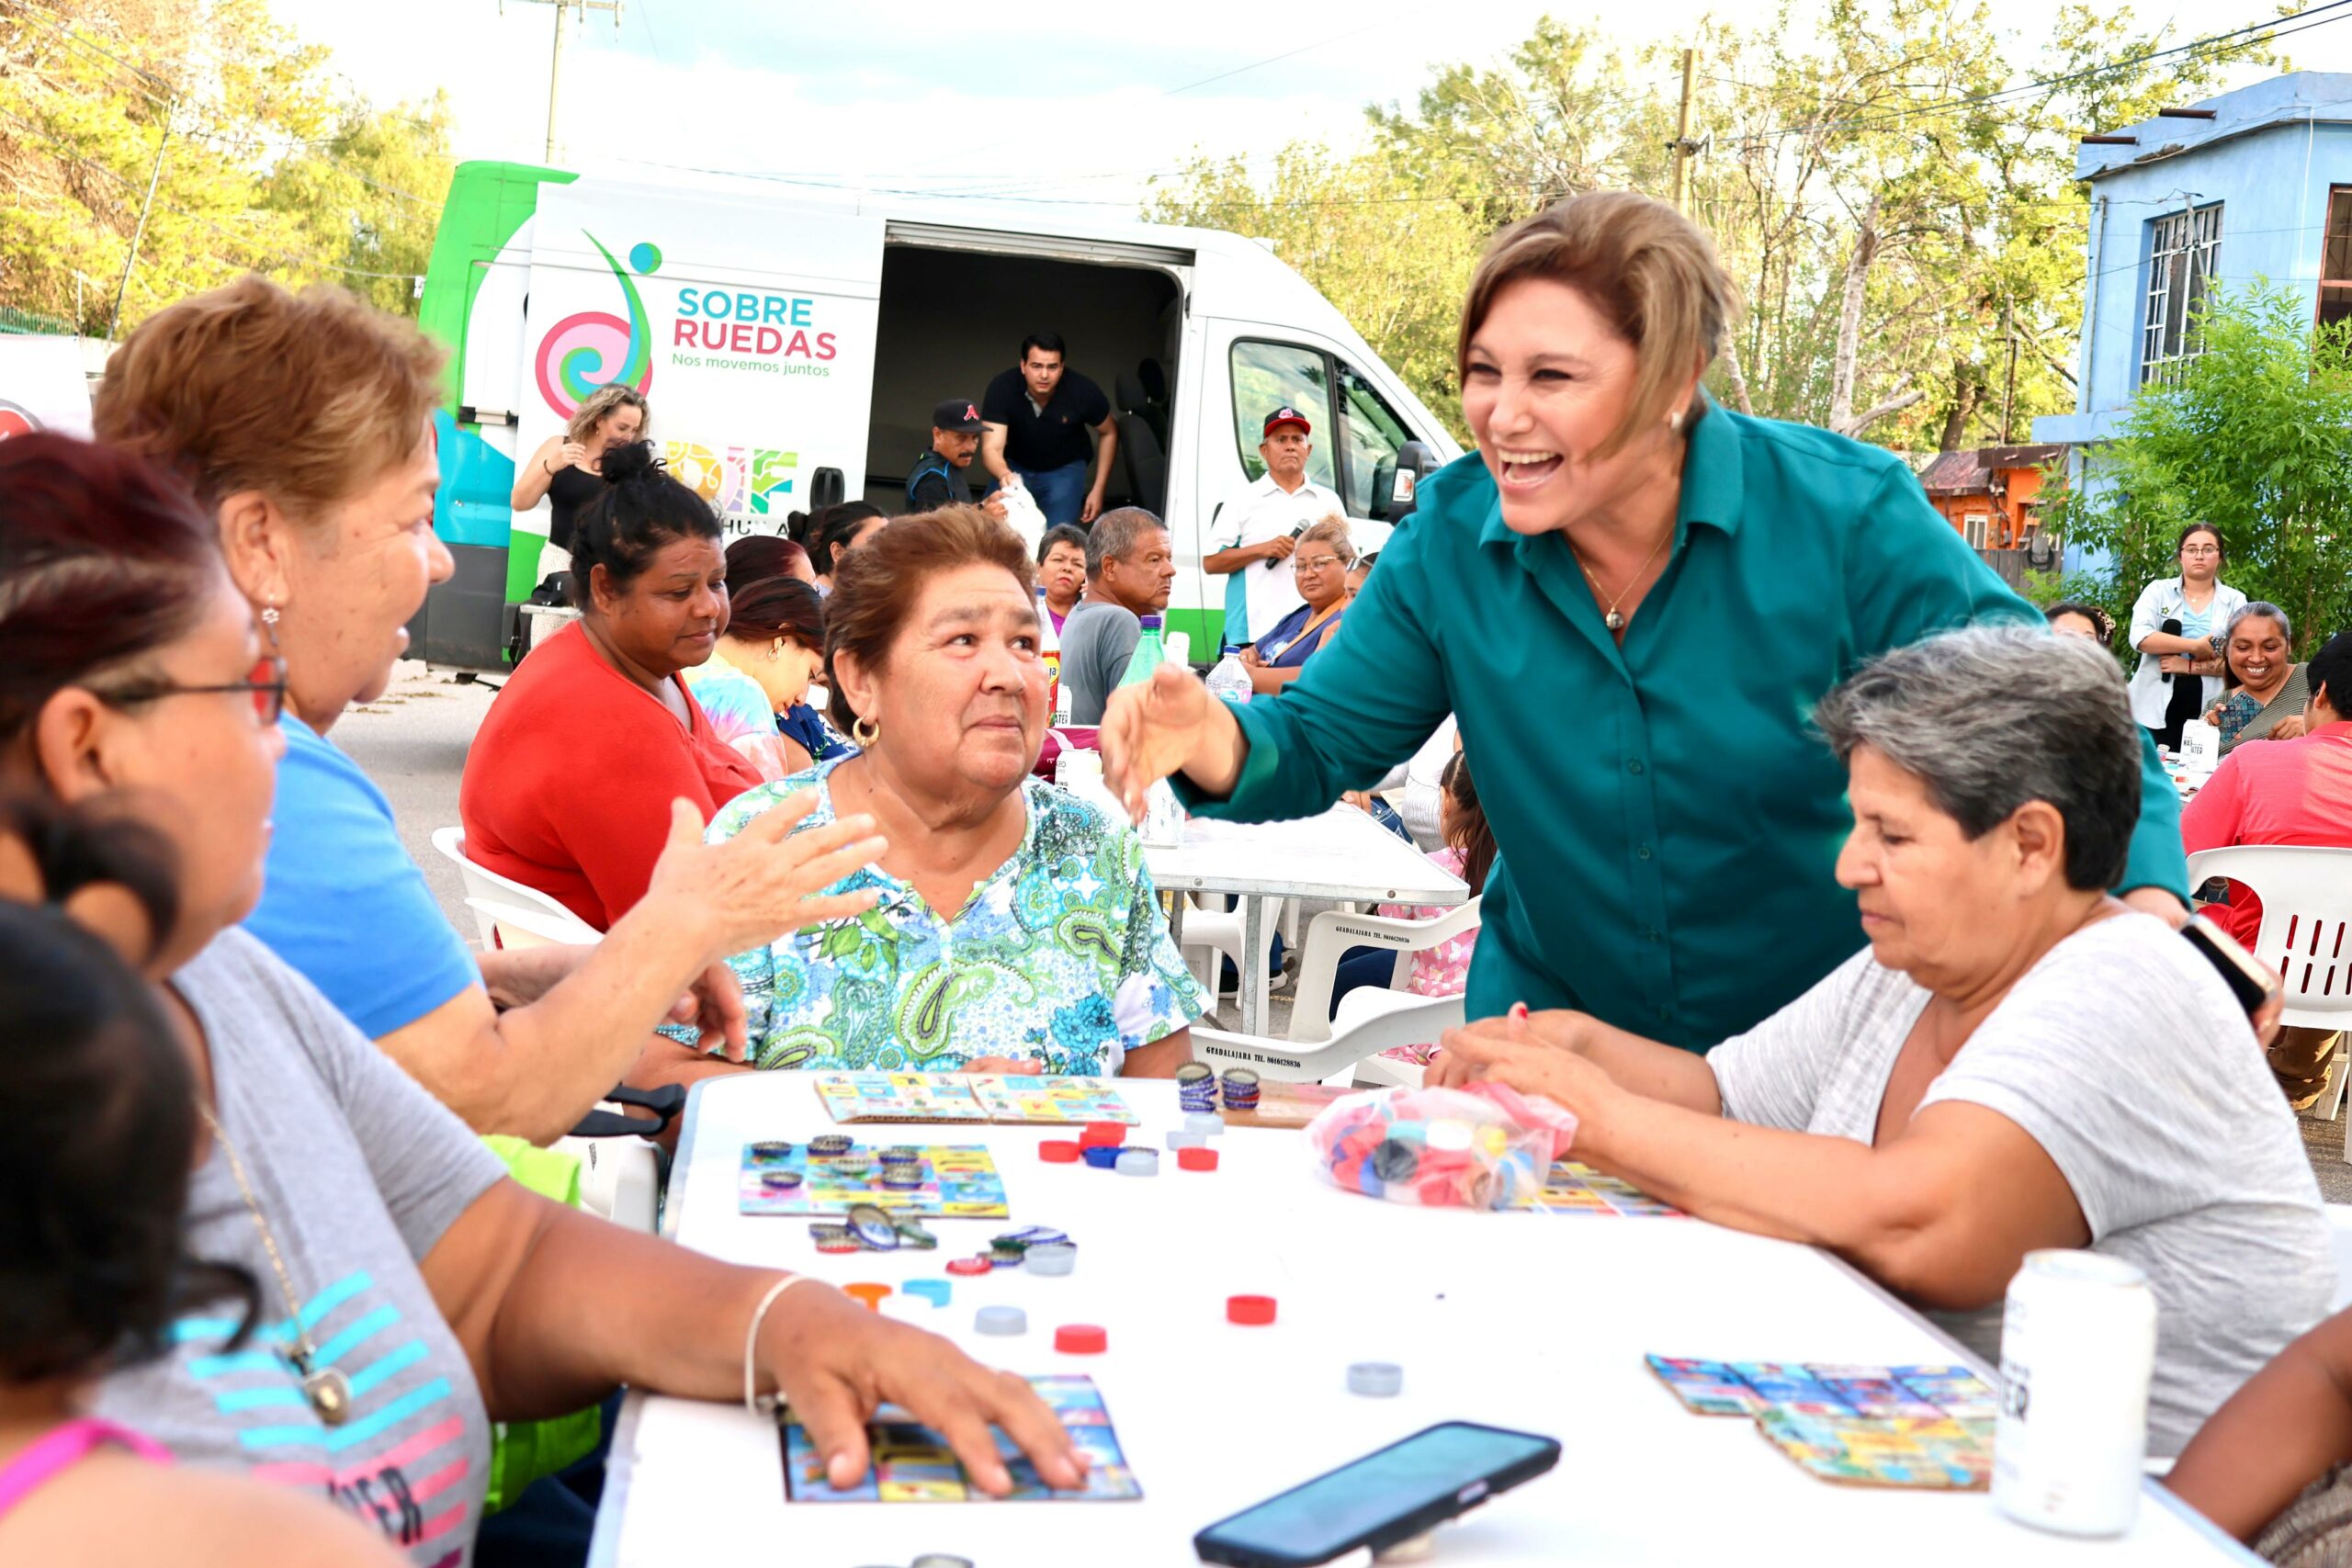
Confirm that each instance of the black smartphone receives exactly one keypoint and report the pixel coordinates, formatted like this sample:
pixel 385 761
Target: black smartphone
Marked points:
pixel 2251 983
pixel 1404 1490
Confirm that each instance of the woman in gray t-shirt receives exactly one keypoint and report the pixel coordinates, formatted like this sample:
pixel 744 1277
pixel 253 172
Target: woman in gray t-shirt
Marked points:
pixel 411 1293
pixel 2015 1061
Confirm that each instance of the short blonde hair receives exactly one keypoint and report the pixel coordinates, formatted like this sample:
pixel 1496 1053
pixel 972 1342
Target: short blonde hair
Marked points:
pixel 601 402
pixel 307 397
pixel 1645 268
pixel 1333 532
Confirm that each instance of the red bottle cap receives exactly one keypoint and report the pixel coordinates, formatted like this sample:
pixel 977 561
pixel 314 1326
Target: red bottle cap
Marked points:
pixel 868 1292
pixel 1255 1311
pixel 1057 1151
pixel 969 1266
pixel 1196 1159
pixel 1095 1135
pixel 1080 1339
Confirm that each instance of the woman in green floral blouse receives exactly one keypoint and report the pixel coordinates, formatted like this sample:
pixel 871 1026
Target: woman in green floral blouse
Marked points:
pixel 1017 929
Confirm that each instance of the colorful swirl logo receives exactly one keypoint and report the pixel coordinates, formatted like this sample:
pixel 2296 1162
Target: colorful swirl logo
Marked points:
pixel 573 358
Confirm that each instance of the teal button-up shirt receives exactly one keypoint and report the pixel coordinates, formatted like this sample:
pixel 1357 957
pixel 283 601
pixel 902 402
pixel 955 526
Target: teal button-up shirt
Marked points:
pixel 1670 825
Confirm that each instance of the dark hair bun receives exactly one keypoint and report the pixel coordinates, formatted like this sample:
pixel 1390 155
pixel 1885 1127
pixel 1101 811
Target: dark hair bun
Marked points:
pixel 630 464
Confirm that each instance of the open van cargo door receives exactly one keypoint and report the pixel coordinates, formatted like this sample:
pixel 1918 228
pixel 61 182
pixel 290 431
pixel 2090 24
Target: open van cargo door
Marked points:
pixel 750 329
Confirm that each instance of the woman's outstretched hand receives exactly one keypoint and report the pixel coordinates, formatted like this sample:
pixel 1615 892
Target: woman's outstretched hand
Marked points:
pixel 1166 725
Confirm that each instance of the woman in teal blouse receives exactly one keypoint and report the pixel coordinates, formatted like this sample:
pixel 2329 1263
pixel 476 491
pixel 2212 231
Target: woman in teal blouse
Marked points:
pixel 1631 597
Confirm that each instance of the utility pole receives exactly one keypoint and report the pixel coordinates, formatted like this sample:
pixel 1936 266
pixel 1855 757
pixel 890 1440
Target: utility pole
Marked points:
pixel 2009 392
pixel 1682 148
pixel 555 64
pixel 138 232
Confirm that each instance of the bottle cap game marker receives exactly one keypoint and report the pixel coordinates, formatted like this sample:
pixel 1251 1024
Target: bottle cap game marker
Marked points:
pixel 1375 1380
pixel 1058 1151
pixel 1051 1258
pixel 1254 1312
pixel 869 1292
pixel 1207 1123
pixel 969 1266
pixel 1096 1134
pixel 1104 1156
pixel 1196 1159
pixel 1080 1339
pixel 1137 1162
pixel 1187 1141
pixel 938 1292
pixel 1000 1319
pixel 872 1227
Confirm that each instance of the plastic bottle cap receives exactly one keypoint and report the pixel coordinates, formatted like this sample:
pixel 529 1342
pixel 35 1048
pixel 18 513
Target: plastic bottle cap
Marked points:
pixel 1096 1134
pixel 979 1264
pixel 1051 1258
pixel 1080 1339
pixel 1375 1380
pixel 1104 1156
pixel 867 1291
pixel 1058 1151
pixel 1187 1141
pixel 1207 1123
pixel 1196 1159
pixel 938 1292
pixel 1001 1319
pixel 1254 1311
pixel 1138 1162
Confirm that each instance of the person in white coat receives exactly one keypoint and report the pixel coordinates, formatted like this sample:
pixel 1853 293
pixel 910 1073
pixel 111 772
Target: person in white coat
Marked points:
pixel 2173 625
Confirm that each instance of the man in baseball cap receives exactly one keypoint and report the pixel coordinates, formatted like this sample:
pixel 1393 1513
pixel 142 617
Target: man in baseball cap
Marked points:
pixel 937 479
pixel 1263 524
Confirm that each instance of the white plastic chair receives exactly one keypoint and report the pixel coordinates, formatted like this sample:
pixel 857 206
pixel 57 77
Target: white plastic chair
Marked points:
pixel 486 890
pixel 2306 933
pixel 1211 934
pixel 1328 938
pixel 1352 1054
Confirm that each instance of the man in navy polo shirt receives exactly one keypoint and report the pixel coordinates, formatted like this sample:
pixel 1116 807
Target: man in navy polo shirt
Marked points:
pixel 1043 421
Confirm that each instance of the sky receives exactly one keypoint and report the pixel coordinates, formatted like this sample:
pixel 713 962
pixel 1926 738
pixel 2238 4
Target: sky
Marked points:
pixel 1078 106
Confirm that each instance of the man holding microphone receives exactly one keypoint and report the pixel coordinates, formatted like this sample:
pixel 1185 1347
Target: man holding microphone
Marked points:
pixel 1263 527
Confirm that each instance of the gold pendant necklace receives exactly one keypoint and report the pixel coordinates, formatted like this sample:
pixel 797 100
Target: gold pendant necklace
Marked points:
pixel 327 1388
pixel 1612 620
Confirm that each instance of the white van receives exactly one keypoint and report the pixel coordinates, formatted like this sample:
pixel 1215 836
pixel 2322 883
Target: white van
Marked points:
pixel 792 351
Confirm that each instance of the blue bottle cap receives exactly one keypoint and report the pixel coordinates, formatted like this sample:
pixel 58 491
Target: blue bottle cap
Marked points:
pixel 872 1227
pixel 1104 1156
pixel 938 1292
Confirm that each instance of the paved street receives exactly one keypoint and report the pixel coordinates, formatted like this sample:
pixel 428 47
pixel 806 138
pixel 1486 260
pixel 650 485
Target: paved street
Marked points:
pixel 413 742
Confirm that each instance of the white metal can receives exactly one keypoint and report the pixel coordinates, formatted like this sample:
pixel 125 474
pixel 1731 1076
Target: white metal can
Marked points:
pixel 2078 1347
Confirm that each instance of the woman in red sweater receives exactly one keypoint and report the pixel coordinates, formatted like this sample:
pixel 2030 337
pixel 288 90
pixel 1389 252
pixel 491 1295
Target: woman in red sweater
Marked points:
pixel 568 783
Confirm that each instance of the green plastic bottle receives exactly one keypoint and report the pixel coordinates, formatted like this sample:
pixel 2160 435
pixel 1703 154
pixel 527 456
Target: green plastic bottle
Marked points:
pixel 1151 652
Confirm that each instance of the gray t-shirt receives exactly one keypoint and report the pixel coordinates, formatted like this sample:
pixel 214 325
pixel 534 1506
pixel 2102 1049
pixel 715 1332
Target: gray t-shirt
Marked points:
pixel 1097 641
pixel 2128 1060
pixel 359 1171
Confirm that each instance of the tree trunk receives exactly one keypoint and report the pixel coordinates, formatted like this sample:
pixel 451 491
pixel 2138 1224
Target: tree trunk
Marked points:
pixel 1967 392
pixel 1733 376
pixel 1850 320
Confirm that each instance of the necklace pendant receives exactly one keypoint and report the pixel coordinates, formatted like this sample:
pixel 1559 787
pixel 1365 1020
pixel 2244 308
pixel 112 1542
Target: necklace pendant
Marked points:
pixel 328 1392
pixel 1614 621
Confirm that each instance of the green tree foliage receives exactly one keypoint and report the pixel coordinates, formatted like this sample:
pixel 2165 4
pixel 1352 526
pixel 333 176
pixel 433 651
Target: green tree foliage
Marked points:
pixel 2251 439
pixel 260 159
pixel 1894 196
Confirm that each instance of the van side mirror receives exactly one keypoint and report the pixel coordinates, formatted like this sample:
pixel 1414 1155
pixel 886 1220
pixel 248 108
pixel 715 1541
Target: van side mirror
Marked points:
pixel 1395 484
pixel 826 488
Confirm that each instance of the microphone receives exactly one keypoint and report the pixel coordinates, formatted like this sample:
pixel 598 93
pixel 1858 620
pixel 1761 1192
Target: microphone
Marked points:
pixel 2170 627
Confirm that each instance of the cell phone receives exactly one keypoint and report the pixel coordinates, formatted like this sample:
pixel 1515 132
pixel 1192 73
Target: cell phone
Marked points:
pixel 1404 1490
pixel 2253 984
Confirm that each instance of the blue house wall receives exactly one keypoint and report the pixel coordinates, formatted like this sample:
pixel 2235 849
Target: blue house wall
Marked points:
pixel 2268 157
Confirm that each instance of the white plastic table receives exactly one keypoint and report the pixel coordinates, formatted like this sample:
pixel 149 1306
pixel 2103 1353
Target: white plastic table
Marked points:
pixel 1342 854
pixel 1525 1320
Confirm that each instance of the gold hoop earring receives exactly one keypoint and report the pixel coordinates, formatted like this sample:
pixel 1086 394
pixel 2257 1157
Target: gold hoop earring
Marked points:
pixel 866 732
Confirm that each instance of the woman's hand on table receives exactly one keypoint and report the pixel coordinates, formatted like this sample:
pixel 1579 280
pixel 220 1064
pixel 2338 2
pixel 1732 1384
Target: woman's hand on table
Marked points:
pixel 1021 1065
pixel 1166 725
pixel 765 881
pixel 834 1362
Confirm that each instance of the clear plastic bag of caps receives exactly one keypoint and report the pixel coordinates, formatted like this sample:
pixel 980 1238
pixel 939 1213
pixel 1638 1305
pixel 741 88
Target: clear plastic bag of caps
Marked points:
pixel 1484 1145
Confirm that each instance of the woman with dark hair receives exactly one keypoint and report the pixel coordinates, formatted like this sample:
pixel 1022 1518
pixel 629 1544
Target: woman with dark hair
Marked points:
pixel 2072 617
pixel 836 531
pixel 102 1134
pixel 2264 690
pixel 2175 626
pixel 757 679
pixel 757 556
pixel 1016 928
pixel 568 783
pixel 414 1294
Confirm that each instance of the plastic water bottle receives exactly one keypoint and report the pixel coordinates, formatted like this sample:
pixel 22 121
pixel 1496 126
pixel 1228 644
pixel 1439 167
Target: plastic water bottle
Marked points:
pixel 1050 650
pixel 1229 680
pixel 1163 821
pixel 1151 652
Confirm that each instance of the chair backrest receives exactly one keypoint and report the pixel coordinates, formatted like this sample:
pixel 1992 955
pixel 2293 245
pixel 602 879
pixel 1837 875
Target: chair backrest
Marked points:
pixel 1289 1062
pixel 517 927
pixel 490 888
pixel 1330 935
pixel 2306 932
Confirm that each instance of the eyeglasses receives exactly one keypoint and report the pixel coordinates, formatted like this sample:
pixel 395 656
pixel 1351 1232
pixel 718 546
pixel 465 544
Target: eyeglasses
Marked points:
pixel 1313 563
pixel 265 684
pixel 2200 550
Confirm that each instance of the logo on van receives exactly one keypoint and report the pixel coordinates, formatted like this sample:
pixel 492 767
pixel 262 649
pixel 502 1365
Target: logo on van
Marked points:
pixel 592 350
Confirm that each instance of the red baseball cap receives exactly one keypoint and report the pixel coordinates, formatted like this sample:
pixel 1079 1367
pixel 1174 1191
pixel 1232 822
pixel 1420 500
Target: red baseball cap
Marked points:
pixel 1285 415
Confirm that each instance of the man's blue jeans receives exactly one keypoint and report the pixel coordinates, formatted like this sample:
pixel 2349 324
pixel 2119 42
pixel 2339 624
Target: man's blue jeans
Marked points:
pixel 1061 493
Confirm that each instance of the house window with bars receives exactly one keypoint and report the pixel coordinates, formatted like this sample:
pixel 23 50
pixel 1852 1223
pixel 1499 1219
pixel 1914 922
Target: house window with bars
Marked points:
pixel 2335 259
pixel 2184 250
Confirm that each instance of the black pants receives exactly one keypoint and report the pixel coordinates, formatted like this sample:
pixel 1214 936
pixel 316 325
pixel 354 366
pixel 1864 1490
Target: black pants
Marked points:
pixel 2185 702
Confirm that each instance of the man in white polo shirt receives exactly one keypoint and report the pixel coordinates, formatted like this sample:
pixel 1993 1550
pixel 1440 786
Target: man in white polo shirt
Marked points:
pixel 1251 541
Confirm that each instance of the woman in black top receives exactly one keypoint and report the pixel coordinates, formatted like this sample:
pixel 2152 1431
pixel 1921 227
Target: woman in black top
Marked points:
pixel 568 468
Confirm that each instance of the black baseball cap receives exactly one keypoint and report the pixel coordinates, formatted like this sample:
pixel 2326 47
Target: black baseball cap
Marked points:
pixel 957 413
pixel 1285 415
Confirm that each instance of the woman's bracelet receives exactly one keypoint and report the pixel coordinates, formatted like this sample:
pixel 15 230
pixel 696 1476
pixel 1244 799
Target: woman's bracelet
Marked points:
pixel 545 468
pixel 751 1342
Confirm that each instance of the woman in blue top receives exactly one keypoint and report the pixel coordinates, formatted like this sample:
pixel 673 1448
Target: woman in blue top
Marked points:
pixel 1319 567
pixel 1631 598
